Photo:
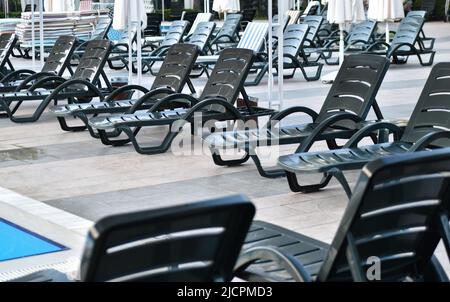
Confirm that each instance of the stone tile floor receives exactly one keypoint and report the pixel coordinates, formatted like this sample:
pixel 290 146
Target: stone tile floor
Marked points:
pixel 75 173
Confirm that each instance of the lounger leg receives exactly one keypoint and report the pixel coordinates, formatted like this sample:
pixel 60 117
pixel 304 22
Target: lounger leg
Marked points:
pixel 162 148
pixel 65 127
pixel 296 187
pixel 430 60
pixel 219 161
pixel 105 137
pixel 275 173
pixel 342 180
pixel 316 76
pixel 258 78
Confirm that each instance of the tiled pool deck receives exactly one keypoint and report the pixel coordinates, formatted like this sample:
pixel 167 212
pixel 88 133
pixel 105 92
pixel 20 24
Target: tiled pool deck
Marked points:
pixel 74 173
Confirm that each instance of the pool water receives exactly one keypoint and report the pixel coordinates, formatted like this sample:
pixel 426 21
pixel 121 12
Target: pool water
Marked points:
pixel 17 242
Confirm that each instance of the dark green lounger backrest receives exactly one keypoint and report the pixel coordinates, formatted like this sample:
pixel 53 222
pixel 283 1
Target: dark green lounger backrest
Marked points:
pixel 60 55
pixel 230 27
pixel 293 39
pixel 355 87
pixel 177 66
pixel 194 242
pixel 92 62
pixel 175 34
pixel 228 77
pixel 408 32
pixel 314 24
pixel 398 213
pixel 7 43
pixel 362 31
pixel 432 112
pixel 201 35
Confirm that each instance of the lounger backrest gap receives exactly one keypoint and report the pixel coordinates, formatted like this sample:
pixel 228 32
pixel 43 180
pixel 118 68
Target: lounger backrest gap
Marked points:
pixel 7 43
pixel 394 215
pixel 201 17
pixel 294 16
pixel 254 36
pixel 408 32
pixel 60 55
pixel 92 62
pixel 432 112
pixel 194 242
pixel 230 27
pixel 228 76
pixel 175 34
pixel 355 88
pixel 177 65
pixel 362 32
pixel 314 23
pixel 202 34
pixel 293 39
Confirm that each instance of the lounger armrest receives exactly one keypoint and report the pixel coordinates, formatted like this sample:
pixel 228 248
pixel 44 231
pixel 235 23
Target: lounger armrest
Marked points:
pixel 69 83
pixel 331 42
pixel 47 80
pixel 428 139
pixel 149 95
pixel 379 43
pixel 276 118
pixel 33 77
pixel 214 101
pixel 118 45
pixel 398 46
pixel 281 259
pixel 161 51
pixel 367 130
pixel 15 75
pixel 324 125
pixel 217 38
pixel 165 102
pixel 111 97
pixel 309 43
pixel 354 43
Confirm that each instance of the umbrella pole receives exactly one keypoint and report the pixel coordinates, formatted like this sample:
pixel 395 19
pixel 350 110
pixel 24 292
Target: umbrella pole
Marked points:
pixel 41 30
pixel 130 46
pixel 269 52
pixel 281 16
pixel 387 33
pixel 33 36
pixel 138 46
pixel 341 44
pixel 162 9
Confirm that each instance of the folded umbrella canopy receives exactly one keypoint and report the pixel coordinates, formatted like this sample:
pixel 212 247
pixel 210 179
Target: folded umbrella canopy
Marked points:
pixel 59 5
pixel 343 12
pixel 386 11
pixel 226 6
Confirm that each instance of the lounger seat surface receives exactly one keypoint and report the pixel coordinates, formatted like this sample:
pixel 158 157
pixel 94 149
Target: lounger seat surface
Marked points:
pixel 166 117
pixel 352 158
pixel 25 95
pixel 310 252
pixel 70 109
pixel 265 137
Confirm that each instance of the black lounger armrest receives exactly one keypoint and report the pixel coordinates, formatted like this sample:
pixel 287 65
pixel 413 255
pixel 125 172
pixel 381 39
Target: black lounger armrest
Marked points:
pixel 149 95
pixel 161 50
pixel 276 118
pixel 367 130
pixel 15 75
pixel 398 46
pixel 118 45
pixel 45 81
pixel 123 89
pixel 217 38
pixel 428 139
pixel 218 100
pixel 33 77
pixel 324 125
pixel 272 253
pixel 168 100
pixel 67 84
pixel 378 43
pixel 353 43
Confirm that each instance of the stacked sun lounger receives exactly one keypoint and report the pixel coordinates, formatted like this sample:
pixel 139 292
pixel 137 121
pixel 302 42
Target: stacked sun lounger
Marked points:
pixel 79 24
pixel 8 25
